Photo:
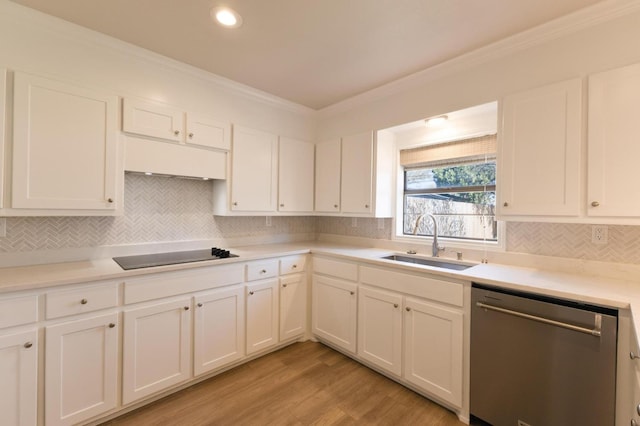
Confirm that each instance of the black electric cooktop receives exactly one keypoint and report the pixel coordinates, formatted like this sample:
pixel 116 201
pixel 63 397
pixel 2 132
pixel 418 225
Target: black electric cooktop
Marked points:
pixel 171 258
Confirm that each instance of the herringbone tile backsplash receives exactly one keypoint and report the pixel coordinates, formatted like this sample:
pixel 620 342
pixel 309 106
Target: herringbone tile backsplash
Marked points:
pixel 159 209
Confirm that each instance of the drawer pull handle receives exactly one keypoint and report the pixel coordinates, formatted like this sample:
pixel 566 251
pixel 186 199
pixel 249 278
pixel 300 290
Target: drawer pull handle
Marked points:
pixel 84 301
pixel 186 308
pixel 199 305
pixel 595 204
pixel 638 409
pixel 633 355
pixel 28 345
pixel 111 325
pixel 250 293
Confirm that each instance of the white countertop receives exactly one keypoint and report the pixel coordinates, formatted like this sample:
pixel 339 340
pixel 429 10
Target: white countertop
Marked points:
pixel 615 293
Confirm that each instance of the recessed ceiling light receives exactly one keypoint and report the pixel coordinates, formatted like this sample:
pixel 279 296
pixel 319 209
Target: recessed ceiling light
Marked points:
pixel 436 121
pixel 226 17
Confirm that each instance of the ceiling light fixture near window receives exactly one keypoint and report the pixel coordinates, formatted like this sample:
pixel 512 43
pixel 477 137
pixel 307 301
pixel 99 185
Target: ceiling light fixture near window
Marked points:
pixel 436 121
pixel 226 17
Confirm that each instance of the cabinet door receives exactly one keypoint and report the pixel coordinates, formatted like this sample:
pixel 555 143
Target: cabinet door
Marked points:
pixel 293 306
pixel 3 103
pixel 149 119
pixel 262 315
pixel 81 369
pixel 208 132
pixel 218 329
pixel 156 348
pixel 64 146
pixel 357 173
pixel 327 193
pixel 540 151
pixel 334 304
pixel 19 378
pixel 433 349
pixel 254 170
pixel 295 180
pixel 613 147
pixel 380 328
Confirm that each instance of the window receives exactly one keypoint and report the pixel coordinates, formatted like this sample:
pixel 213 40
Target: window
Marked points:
pixel 456 183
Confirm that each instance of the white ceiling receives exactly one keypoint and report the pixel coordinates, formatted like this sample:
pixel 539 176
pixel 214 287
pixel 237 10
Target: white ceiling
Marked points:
pixel 314 53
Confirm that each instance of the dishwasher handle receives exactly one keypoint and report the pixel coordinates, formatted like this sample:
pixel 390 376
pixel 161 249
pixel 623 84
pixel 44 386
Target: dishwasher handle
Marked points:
pixel 595 331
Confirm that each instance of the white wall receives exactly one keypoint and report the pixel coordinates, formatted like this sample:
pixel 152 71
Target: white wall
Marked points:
pixel 40 44
pixel 489 74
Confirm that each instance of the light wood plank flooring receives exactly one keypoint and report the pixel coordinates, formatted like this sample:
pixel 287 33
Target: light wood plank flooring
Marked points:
pixel 302 384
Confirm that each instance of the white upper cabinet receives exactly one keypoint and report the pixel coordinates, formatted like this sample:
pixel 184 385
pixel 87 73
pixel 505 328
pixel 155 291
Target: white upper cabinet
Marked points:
pixel 173 124
pixel 357 173
pixel 327 190
pixel 295 177
pixel 148 119
pixel 208 132
pixel 539 159
pixel 614 142
pixel 254 175
pixel 354 175
pixel 64 148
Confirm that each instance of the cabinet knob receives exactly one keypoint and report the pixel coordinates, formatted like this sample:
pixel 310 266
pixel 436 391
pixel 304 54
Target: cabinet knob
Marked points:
pixel 111 325
pixel 186 308
pixel 633 422
pixel 395 305
pixel 505 204
pixel 84 301
pixel 28 345
pixel 352 293
pixel 638 409
pixel 408 309
pixel 263 271
pixel 595 204
pixel 634 355
pixel 294 266
pixel 109 200
pixel 366 206
pixel 235 203
pixel 250 293
pixel 199 305
pixel 284 285
pixel 176 132
pixel 281 205
pixel 190 135
pixel 335 206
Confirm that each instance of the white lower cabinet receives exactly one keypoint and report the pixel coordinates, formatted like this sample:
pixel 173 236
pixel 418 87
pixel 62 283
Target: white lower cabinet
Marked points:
pixel 156 348
pixel 334 308
pixel 218 329
pixel 81 368
pixel 19 378
pixel 262 315
pixel 380 328
pixel 433 344
pixel 293 304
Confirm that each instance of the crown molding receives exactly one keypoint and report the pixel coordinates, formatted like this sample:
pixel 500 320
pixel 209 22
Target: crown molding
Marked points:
pixel 88 37
pixel 561 27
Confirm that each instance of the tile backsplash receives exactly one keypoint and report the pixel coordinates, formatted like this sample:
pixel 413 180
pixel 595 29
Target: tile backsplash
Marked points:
pixel 159 209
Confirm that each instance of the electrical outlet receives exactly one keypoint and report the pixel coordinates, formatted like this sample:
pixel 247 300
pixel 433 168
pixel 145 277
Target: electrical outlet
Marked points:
pixel 268 222
pixel 354 222
pixel 599 234
pixel 3 227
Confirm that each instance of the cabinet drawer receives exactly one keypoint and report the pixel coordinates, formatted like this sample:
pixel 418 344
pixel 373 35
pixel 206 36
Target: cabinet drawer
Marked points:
pixel 18 310
pixel 81 299
pixel 450 292
pixel 293 264
pixel 336 268
pixel 260 270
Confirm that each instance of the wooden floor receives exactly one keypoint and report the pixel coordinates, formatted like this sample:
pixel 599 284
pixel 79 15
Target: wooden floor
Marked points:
pixel 302 384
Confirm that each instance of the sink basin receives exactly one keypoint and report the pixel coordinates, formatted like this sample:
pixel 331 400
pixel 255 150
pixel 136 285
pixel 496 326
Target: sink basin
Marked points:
pixel 438 263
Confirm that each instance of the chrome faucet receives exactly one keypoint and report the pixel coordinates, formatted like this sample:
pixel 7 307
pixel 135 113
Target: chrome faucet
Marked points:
pixel 435 247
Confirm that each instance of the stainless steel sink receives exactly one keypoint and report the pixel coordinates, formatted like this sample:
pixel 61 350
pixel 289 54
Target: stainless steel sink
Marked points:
pixel 438 263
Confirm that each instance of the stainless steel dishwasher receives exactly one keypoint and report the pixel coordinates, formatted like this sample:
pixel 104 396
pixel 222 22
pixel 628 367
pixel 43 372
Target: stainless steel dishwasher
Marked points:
pixel 538 361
